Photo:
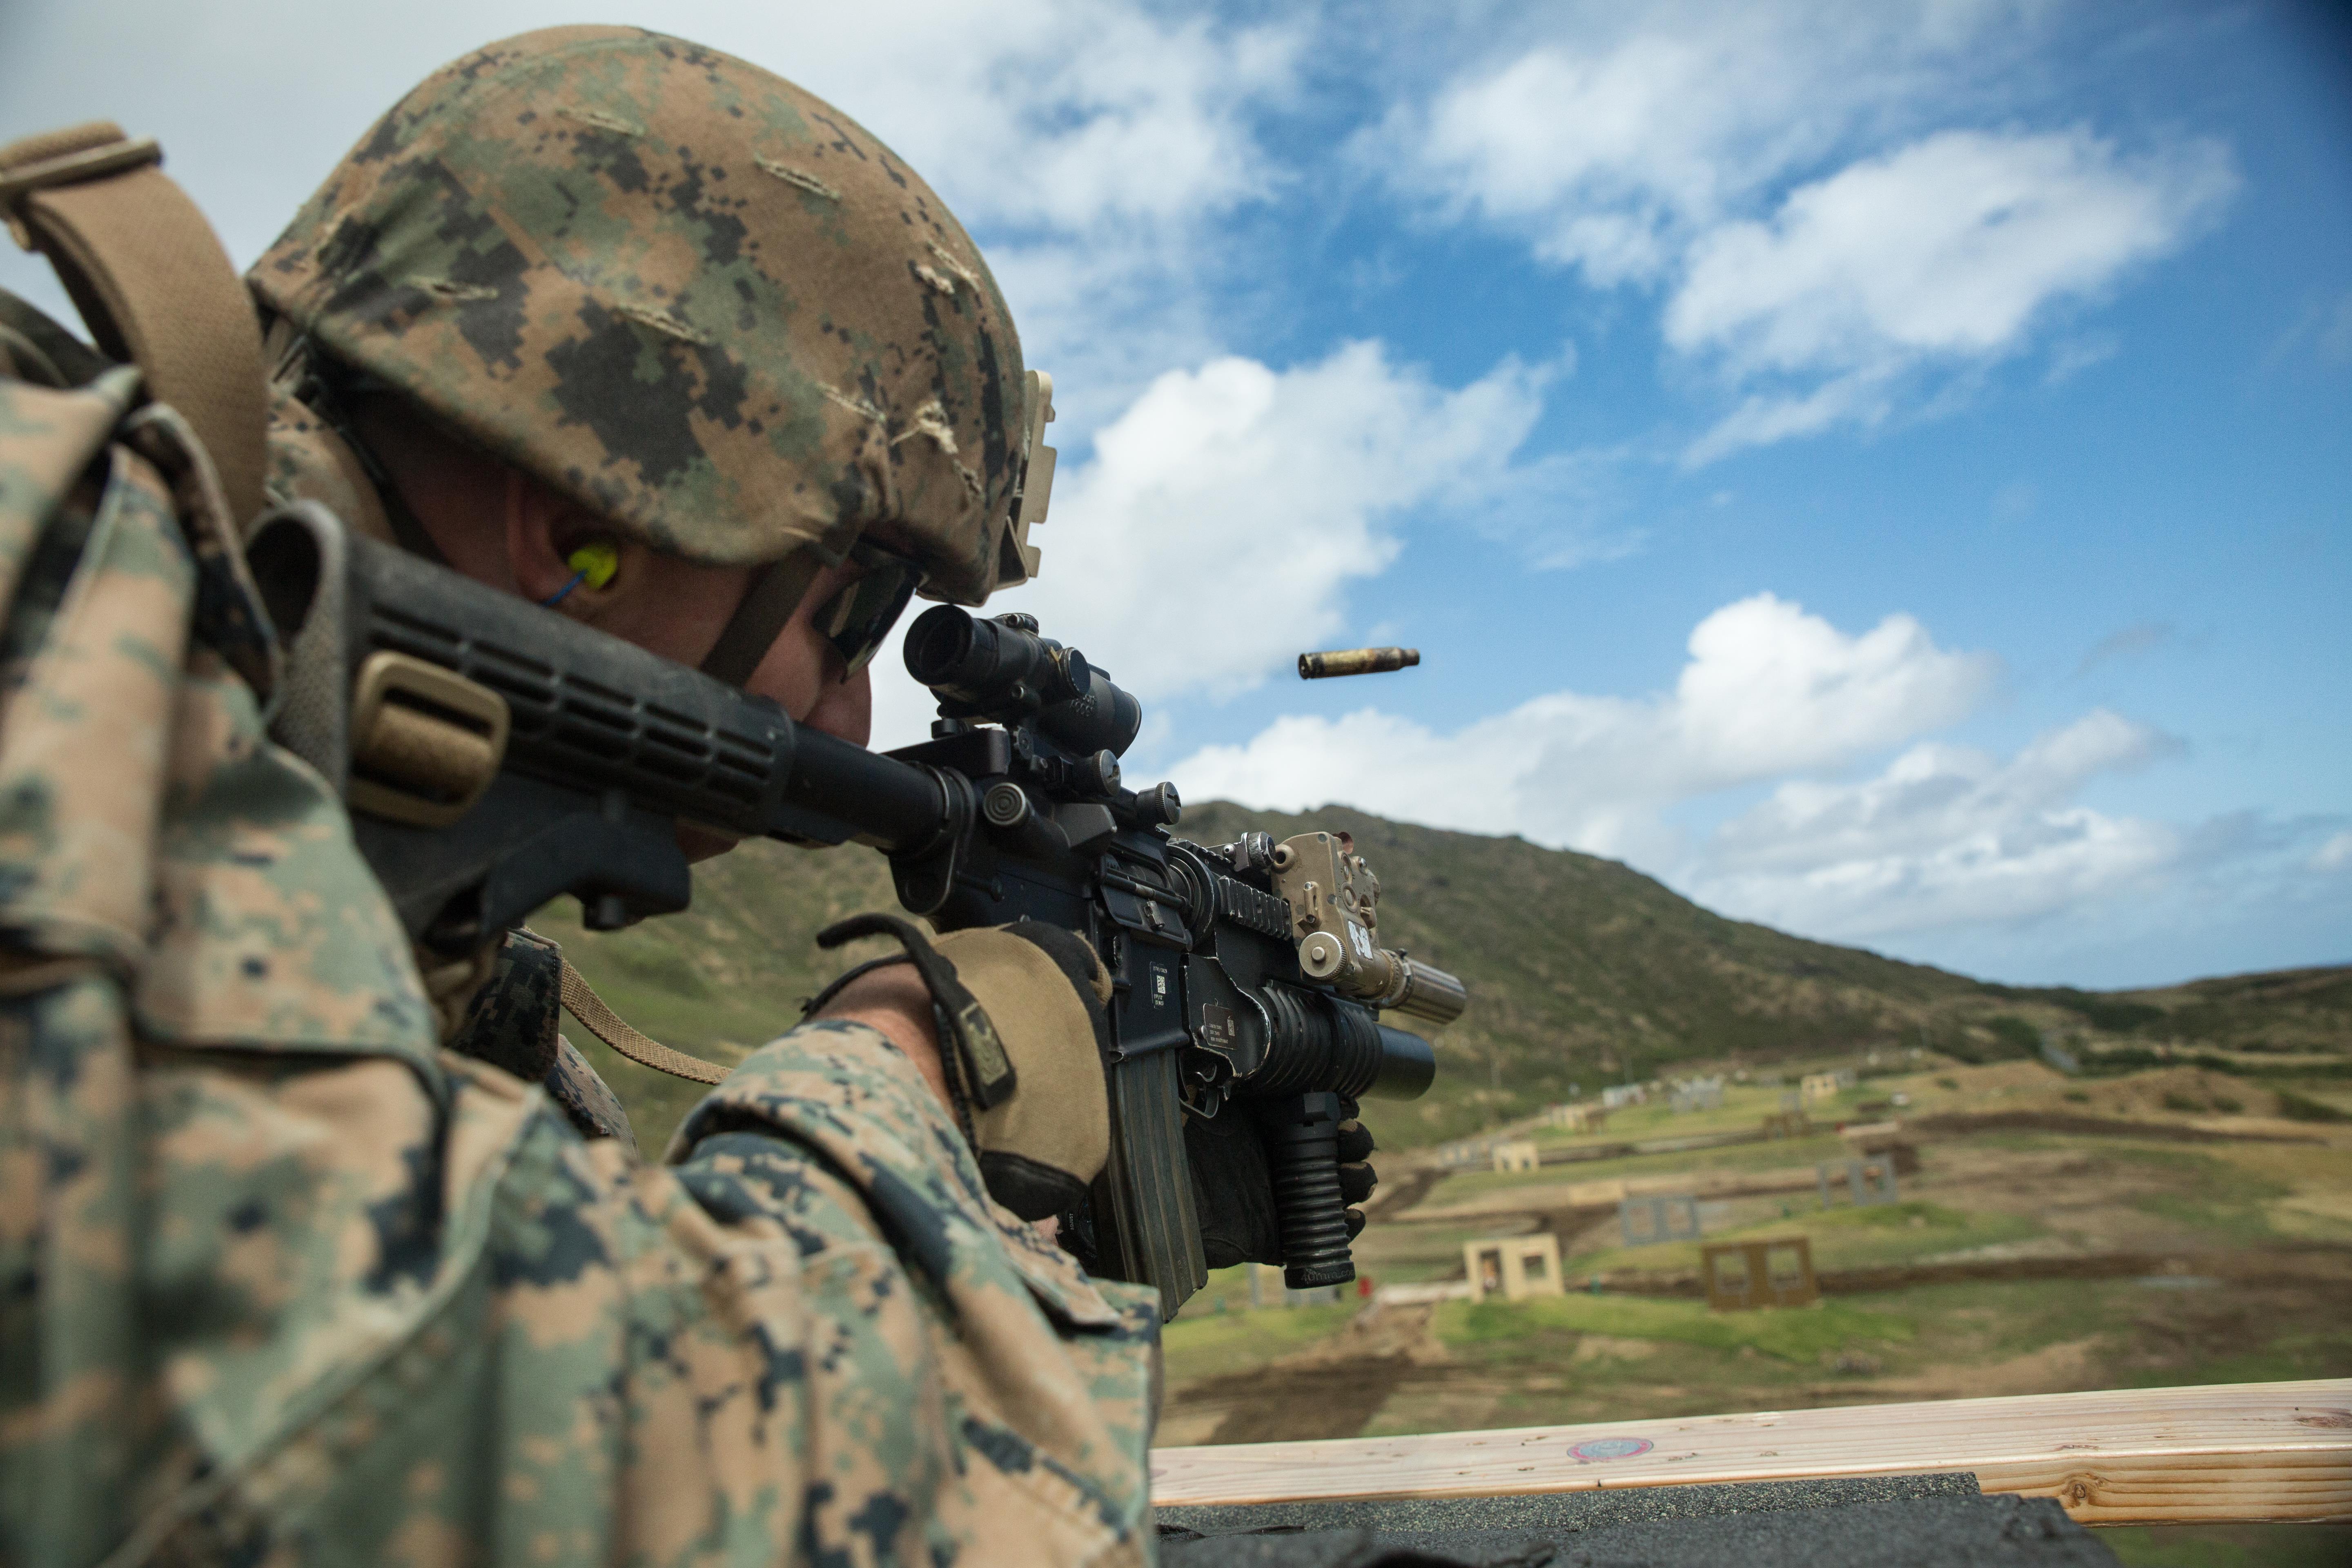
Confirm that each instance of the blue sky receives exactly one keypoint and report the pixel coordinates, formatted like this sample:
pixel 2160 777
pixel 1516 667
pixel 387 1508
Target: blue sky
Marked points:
pixel 1882 469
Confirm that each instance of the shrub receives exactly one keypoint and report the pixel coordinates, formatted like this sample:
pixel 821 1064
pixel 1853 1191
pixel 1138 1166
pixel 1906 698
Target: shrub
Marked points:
pixel 2012 1038
pixel 2115 1017
pixel 2121 1060
pixel 2302 1108
pixel 2020 1036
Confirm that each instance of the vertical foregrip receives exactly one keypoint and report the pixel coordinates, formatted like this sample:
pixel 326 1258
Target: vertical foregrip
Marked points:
pixel 1302 1135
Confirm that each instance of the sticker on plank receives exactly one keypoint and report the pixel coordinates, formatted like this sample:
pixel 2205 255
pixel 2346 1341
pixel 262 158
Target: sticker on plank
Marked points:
pixel 1594 1450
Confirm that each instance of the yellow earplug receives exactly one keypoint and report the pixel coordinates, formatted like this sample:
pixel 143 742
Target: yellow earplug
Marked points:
pixel 596 562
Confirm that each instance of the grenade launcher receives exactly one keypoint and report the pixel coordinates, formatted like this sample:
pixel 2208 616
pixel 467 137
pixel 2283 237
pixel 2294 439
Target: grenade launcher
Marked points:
pixel 496 754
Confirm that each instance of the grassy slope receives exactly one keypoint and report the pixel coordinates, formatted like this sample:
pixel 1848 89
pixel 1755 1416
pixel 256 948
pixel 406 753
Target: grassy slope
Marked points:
pixel 727 975
pixel 2285 1010
pixel 1580 970
pixel 1583 970
pixel 2274 1216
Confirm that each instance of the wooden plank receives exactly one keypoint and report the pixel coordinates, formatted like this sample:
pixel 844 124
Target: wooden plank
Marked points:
pixel 2151 1455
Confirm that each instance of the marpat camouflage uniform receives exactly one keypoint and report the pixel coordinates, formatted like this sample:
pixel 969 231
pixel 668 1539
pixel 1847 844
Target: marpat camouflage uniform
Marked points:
pixel 512 1024
pixel 281 1280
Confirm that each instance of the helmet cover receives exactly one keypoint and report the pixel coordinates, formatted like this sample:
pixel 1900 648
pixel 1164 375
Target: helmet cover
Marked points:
pixel 683 293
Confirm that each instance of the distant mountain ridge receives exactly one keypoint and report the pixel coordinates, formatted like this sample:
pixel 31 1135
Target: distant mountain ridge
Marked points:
pixel 1583 972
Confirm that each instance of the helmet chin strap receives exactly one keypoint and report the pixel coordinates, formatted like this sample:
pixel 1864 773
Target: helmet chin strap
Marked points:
pixel 327 387
pixel 776 591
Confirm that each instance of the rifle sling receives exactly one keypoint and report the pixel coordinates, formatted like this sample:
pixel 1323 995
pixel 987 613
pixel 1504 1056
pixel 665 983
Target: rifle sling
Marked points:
pixel 609 1026
pixel 152 284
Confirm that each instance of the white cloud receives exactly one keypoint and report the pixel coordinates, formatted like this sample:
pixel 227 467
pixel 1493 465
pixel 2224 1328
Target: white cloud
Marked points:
pixel 1622 134
pixel 2335 855
pixel 1087 142
pixel 1947 249
pixel 1808 188
pixel 1944 835
pixel 1947 246
pixel 2323 329
pixel 2071 359
pixel 1215 527
pixel 1770 689
pixel 1216 530
pixel 1761 419
pixel 1767 690
pixel 2134 641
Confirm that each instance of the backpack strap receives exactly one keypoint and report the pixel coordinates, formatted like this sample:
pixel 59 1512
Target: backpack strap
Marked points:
pixel 151 282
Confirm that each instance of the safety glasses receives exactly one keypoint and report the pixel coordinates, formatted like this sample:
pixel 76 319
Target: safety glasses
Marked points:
pixel 856 619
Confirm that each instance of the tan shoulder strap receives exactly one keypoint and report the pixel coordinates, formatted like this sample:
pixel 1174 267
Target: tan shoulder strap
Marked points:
pixel 607 1025
pixel 151 282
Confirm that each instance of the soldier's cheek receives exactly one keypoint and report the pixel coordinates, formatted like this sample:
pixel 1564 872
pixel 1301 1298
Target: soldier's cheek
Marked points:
pixel 843 708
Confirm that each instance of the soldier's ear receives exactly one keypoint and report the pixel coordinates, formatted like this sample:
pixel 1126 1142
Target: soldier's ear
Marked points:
pixel 535 521
pixel 561 555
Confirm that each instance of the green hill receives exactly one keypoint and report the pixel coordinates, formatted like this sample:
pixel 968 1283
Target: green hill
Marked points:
pixel 1581 972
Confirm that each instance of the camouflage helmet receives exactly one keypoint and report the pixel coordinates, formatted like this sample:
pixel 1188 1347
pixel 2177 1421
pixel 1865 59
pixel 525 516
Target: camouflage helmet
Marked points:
pixel 689 296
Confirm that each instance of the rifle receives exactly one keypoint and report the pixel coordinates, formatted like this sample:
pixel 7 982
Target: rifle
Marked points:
pixel 496 754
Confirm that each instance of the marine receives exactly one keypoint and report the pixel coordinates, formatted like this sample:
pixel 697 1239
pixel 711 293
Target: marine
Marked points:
pixel 316 1250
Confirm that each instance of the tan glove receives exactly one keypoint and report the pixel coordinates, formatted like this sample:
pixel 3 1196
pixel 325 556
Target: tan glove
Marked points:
pixel 1022 1031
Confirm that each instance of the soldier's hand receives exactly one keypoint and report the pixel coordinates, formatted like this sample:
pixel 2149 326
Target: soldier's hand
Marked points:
pixel 1232 1190
pixel 1357 1177
pixel 1043 992
pixel 893 1001
pixel 1047 995
pixel 1233 1187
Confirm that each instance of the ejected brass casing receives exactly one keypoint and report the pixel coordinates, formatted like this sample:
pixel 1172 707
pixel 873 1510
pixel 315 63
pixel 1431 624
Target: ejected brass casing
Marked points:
pixel 1355 661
